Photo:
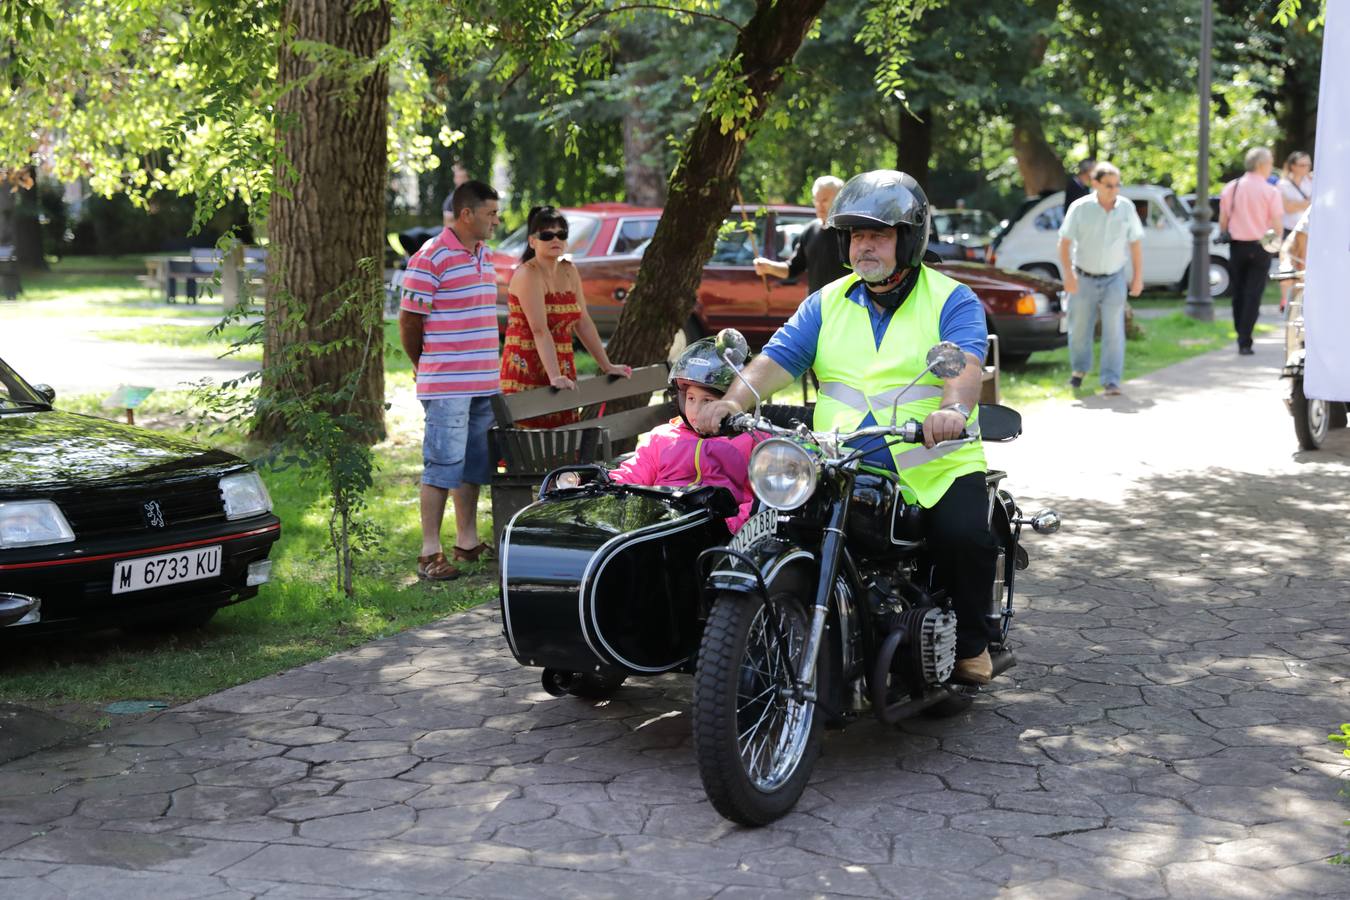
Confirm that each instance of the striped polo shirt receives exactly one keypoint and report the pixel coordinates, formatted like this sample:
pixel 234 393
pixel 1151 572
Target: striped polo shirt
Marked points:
pixel 457 291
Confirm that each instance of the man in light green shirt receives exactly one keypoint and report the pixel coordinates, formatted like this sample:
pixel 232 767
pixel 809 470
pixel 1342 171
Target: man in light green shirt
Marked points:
pixel 1096 230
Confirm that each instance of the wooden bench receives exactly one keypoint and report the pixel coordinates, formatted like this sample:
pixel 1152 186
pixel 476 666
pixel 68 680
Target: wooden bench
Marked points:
pixel 528 454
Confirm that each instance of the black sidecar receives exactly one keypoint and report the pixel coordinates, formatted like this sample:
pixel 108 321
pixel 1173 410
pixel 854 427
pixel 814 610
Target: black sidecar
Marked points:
pixel 601 582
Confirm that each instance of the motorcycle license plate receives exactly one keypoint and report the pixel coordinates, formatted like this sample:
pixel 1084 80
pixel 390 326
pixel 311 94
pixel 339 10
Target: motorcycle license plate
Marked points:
pixel 168 568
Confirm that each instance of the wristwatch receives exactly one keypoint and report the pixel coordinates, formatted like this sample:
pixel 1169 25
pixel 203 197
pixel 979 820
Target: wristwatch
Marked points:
pixel 959 407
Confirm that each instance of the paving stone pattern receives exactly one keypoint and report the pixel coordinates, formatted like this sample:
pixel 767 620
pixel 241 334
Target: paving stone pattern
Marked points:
pixel 1183 657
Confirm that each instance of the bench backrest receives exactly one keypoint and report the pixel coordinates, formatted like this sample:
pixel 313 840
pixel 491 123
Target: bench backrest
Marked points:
pixel 590 392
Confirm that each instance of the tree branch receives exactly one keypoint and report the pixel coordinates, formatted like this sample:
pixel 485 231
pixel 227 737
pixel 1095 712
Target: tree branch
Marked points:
pixel 657 6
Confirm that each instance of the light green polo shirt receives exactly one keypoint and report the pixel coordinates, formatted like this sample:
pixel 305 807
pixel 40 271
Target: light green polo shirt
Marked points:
pixel 1100 236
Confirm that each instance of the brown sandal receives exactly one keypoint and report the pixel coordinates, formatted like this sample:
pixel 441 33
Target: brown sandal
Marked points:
pixel 482 551
pixel 436 568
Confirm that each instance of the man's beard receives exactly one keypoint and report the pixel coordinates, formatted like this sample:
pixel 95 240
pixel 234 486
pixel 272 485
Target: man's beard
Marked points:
pixel 877 273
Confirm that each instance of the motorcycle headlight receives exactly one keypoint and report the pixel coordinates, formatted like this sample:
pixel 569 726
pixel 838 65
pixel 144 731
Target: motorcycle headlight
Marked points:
pixel 245 495
pixel 30 523
pixel 782 473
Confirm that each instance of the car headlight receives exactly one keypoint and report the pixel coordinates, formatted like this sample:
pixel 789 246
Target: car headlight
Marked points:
pixel 782 473
pixel 29 523
pixel 245 495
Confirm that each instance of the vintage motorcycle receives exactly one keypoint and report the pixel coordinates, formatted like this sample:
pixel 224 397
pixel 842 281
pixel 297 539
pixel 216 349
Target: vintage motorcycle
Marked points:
pixel 823 607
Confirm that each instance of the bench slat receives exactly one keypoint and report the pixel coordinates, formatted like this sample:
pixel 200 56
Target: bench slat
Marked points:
pixel 511 408
pixel 630 423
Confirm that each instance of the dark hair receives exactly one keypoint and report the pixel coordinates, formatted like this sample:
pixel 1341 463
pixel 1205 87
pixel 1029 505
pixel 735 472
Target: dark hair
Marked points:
pixel 1086 165
pixel 469 195
pixel 538 218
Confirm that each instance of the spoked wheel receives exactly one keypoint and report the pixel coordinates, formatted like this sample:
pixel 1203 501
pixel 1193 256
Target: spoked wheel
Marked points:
pixel 755 743
pixel 1312 418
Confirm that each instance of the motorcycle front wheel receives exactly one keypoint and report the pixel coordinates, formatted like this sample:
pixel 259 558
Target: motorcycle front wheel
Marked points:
pixel 755 744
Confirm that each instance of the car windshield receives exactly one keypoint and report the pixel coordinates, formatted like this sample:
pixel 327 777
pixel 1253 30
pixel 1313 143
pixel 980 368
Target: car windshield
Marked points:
pixel 1177 207
pixel 963 224
pixel 15 392
pixel 580 232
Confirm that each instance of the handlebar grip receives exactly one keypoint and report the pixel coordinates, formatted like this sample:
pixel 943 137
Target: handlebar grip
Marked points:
pixel 913 432
pixel 727 428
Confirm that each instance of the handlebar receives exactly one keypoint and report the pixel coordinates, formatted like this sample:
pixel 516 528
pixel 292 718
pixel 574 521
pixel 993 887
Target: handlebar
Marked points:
pixel 910 432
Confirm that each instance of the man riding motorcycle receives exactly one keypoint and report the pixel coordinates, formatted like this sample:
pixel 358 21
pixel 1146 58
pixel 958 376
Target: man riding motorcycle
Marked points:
pixel 866 335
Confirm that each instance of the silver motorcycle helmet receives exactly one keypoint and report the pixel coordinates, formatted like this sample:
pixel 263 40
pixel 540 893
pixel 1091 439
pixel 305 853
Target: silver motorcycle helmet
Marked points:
pixel 884 198
pixel 699 364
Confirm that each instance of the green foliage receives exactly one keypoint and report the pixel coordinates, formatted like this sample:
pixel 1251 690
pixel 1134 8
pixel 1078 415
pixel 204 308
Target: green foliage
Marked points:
pixel 328 439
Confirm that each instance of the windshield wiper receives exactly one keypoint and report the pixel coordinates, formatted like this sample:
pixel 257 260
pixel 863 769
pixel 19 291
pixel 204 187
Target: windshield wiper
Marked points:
pixel 10 403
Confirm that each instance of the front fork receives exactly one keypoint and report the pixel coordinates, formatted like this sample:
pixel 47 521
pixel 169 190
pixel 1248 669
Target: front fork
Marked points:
pixel 831 551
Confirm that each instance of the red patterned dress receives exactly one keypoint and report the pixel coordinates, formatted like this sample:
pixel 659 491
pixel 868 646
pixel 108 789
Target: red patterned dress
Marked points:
pixel 521 368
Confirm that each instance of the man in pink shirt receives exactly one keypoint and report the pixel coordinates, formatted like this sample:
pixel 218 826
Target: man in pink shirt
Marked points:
pixel 447 325
pixel 1249 207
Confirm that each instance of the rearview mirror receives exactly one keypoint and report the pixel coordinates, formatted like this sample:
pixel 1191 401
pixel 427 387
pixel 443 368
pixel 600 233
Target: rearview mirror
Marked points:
pixel 946 360
pixel 46 391
pixel 732 347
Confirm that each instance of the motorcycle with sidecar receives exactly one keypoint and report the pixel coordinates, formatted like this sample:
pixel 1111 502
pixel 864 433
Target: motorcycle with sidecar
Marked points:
pixel 823 606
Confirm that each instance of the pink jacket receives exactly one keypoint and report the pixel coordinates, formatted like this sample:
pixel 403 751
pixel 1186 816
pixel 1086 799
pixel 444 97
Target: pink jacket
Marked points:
pixel 674 455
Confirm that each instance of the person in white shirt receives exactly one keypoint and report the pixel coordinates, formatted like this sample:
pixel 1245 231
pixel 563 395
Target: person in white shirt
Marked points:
pixel 1098 230
pixel 1296 185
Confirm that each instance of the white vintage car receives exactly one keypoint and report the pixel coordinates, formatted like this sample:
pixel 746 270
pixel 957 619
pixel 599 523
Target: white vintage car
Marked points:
pixel 1031 242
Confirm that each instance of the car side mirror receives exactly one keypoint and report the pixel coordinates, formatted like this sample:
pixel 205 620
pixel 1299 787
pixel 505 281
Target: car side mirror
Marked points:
pixel 46 391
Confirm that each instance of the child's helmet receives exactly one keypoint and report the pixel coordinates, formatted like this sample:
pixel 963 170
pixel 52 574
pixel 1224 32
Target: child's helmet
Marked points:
pixel 700 364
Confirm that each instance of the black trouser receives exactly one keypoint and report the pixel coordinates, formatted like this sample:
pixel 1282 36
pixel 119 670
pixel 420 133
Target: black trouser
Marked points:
pixel 957 529
pixel 1249 268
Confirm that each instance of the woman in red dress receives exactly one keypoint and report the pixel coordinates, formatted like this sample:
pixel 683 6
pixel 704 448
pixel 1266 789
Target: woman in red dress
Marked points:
pixel 545 308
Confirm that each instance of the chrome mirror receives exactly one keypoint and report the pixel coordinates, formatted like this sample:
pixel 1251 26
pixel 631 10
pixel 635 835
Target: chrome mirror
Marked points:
pixel 946 360
pixel 732 347
pixel 1046 521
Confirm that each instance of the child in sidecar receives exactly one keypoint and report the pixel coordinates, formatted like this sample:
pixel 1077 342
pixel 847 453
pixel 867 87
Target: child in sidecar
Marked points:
pixel 676 455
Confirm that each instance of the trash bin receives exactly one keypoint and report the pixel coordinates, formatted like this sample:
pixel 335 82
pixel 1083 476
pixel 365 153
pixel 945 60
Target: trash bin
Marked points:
pixel 10 287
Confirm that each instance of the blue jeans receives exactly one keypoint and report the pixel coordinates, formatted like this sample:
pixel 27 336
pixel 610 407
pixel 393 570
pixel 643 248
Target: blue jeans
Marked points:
pixel 1104 297
pixel 455 442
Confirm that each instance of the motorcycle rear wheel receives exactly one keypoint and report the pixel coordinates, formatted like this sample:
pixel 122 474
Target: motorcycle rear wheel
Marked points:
pixel 755 744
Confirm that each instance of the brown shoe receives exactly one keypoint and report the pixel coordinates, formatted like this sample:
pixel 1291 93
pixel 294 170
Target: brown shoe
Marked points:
pixel 483 551
pixel 436 568
pixel 974 669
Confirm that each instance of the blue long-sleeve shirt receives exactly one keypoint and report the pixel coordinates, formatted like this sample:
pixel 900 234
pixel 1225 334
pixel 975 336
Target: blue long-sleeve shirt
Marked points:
pixel 793 346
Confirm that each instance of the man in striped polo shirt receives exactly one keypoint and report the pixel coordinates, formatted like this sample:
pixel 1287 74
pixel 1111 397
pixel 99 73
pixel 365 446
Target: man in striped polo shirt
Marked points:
pixel 448 327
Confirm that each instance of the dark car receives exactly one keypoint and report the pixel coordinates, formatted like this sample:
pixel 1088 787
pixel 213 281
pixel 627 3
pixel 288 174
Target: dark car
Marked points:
pixel 105 524
pixel 607 241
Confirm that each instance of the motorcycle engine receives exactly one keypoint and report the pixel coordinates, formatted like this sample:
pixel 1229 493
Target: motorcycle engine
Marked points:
pixel 929 653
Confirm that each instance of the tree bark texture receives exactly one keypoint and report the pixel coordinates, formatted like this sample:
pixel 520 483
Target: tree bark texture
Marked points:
pixel 702 189
pixel 1037 161
pixel 327 215
pixel 643 182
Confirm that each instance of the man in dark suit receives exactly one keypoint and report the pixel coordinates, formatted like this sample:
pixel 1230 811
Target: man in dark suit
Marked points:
pixel 1081 184
pixel 817 253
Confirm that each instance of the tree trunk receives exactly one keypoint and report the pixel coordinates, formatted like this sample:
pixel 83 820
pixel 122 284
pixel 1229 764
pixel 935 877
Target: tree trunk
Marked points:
pixel 327 216
pixel 702 188
pixel 1039 164
pixel 916 144
pixel 643 182
pixel 28 225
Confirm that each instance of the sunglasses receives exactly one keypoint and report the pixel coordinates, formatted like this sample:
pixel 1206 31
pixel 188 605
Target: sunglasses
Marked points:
pixel 560 234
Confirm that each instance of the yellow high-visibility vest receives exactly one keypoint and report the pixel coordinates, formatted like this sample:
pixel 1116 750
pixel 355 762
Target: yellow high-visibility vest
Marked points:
pixel 857 377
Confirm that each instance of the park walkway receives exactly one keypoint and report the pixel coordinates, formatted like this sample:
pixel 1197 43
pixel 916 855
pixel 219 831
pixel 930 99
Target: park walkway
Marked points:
pixel 1183 656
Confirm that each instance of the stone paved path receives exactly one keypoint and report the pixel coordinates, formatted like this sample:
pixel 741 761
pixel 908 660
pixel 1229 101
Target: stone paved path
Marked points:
pixel 1183 648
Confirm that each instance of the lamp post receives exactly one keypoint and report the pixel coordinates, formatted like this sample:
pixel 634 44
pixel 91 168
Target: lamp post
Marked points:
pixel 1199 303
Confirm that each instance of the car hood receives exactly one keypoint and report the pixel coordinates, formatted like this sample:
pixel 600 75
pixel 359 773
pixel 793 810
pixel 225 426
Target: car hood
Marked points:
pixel 52 450
pixel 984 276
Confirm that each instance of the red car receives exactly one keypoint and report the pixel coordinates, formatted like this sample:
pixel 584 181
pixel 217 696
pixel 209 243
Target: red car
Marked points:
pixel 607 240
